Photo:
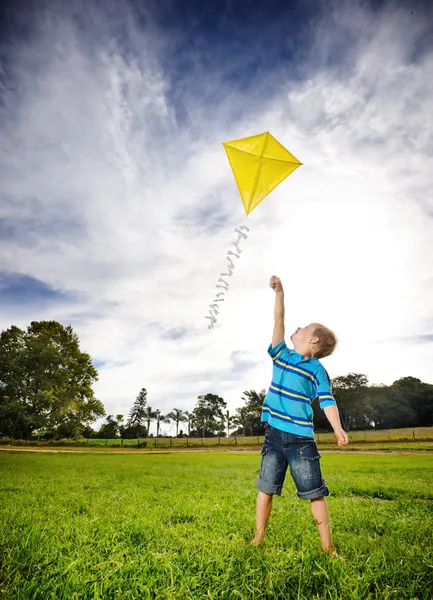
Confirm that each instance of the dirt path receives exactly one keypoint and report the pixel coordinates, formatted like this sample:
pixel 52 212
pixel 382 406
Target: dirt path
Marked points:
pixel 209 450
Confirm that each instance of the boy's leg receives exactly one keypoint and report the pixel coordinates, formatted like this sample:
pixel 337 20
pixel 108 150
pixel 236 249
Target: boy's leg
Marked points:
pixel 263 510
pixel 304 459
pixel 270 480
pixel 319 508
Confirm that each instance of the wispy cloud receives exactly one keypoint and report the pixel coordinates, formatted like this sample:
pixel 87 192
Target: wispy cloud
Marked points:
pixel 115 189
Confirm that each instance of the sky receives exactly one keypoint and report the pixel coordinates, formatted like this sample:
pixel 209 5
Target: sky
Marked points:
pixel 118 205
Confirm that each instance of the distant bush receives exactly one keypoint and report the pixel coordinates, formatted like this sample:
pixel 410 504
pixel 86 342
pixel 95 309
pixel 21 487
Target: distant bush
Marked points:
pixel 65 442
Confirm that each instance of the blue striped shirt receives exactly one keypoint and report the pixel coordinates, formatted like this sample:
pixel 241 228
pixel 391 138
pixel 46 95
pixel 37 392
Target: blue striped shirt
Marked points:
pixel 296 382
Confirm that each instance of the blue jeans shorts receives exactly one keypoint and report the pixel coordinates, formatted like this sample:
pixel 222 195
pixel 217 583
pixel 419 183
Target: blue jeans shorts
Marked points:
pixel 282 450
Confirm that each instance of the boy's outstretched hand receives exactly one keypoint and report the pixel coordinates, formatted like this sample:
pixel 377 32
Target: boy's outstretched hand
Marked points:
pixel 275 283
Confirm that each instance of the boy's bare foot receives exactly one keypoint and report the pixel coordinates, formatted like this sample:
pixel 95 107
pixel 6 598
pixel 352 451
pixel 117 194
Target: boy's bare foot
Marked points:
pixel 332 553
pixel 258 539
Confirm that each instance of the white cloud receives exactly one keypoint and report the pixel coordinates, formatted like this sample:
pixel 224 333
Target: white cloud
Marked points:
pixel 134 209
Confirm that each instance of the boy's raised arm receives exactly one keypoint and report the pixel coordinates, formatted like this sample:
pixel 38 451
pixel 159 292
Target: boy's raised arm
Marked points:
pixel 278 334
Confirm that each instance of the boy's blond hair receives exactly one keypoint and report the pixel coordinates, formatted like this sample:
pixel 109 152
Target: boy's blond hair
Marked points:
pixel 327 341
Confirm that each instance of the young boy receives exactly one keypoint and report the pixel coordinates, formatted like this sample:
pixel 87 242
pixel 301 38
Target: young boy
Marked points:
pixel 297 379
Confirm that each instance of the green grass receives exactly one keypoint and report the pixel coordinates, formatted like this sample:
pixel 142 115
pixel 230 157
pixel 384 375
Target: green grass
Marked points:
pixel 178 526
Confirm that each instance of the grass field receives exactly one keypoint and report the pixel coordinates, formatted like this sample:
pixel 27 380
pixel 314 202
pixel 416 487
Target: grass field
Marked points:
pixel 178 526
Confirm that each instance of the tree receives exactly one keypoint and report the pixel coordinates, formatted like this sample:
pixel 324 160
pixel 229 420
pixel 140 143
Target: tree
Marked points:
pixel 419 396
pixel 242 418
pixel 390 408
pixel 178 416
pixel 254 403
pixel 120 425
pixel 112 428
pixel 229 422
pixel 45 381
pixel 87 432
pixel 137 414
pixel 189 418
pixel 248 417
pixel 208 417
pixel 351 394
pixel 160 418
pixel 150 415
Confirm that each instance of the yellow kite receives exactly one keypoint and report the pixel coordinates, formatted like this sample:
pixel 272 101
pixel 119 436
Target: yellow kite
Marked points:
pixel 259 163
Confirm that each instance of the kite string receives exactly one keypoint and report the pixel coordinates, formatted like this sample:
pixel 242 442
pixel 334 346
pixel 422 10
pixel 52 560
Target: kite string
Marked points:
pixel 269 231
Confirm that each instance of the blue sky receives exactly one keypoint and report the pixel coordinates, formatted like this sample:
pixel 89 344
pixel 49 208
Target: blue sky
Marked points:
pixel 118 206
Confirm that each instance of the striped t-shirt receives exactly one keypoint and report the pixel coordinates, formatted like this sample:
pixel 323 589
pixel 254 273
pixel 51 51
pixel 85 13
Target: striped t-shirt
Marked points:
pixel 296 382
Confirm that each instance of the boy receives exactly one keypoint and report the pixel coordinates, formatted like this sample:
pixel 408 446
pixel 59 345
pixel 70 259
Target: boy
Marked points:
pixel 297 379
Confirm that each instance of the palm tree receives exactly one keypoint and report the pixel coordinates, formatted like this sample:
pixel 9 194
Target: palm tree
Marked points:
pixel 242 418
pixel 189 417
pixel 253 405
pixel 149 415
pixel 229 422
pixel 160 418
pixel 177 415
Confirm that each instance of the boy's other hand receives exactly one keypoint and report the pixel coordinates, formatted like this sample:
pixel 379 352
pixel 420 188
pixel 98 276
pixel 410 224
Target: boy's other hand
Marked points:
pixel 342 437
pixel 275 283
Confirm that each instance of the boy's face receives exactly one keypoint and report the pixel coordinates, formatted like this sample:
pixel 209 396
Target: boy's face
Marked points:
pixel 303 334
pixel 303 337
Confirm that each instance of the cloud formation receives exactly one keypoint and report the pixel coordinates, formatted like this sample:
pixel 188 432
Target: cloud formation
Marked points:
pixel 116 192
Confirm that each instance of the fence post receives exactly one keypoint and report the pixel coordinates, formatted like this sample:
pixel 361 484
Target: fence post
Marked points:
pixel 258 440
pixel 318 438
pixel 138 442
pixel 219 441
pixel 106 441
pixel 121 443
pixel 187 441
pixel 87 443
pixel 389 434
pixel 413 433
pixel 365 436
pixel 236 440
pixel 155 442
pixel 202 441
pixel 170 441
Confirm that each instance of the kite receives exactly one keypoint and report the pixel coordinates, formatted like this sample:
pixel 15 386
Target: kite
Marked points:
pixel 259 163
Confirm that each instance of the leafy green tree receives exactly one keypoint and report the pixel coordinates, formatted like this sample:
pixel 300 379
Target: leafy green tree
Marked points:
pixel 87 432
pixel 45 381
pixel 391 409
pixel 178 416
pixel 419 395
pixel 351 394
pixel 111 429
pixel 120 425
pixel 208 416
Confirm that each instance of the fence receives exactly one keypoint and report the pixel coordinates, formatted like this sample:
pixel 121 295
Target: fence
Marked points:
pixel 418 434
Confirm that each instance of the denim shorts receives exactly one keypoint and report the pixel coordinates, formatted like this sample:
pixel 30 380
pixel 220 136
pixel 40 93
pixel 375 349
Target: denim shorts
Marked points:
pixel 282 450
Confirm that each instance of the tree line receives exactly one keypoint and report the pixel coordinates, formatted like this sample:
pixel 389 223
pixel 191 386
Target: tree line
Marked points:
pixel 209 418
pixel 46 389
